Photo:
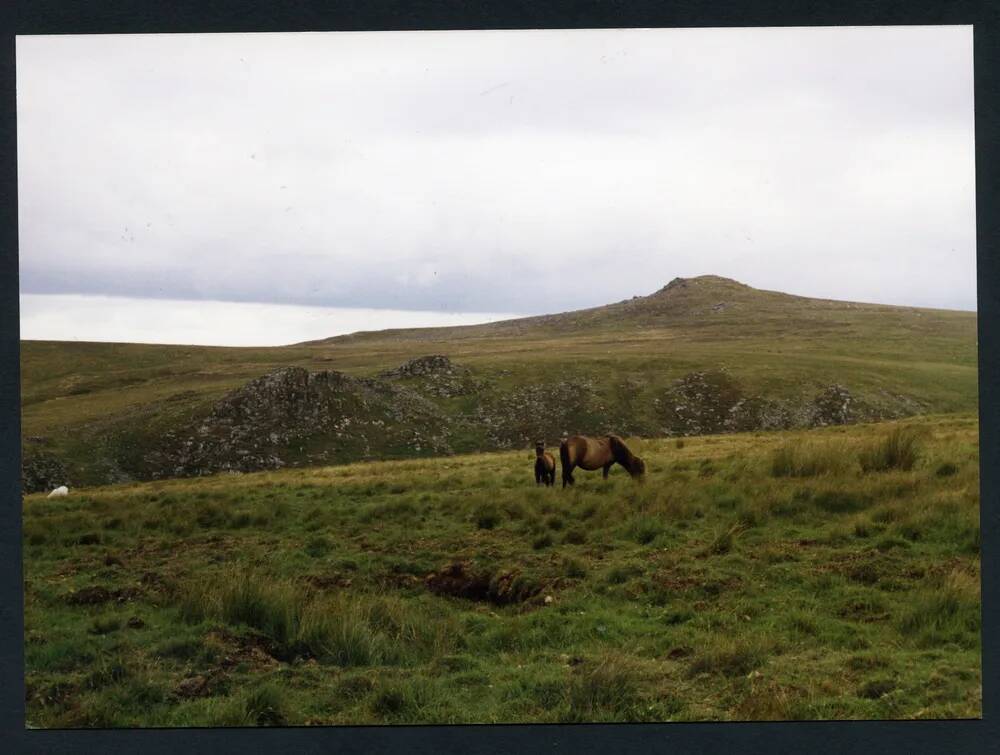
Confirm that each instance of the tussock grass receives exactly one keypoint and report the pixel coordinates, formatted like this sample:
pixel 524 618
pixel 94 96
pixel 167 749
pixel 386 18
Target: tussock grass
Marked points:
pixel 840 501
pixel 488 517
pixel 644 529
pixel 946 611
pixel 608 689
pixel 575 536
pixel 898 449
pixel 768 700
pixel 808 460
pixel 358 631
pixel 542 541
pixel 723 541
pixel 729 657
pixel 946 469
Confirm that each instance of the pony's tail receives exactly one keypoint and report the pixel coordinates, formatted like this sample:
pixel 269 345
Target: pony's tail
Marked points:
pixel 564 459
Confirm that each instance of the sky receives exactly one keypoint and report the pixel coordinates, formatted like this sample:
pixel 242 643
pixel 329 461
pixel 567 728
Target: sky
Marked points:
pixel 481 175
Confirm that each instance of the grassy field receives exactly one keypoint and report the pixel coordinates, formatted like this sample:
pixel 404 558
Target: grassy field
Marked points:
pixel 823 574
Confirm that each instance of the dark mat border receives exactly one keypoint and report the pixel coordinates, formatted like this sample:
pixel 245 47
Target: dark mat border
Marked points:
pixel 155 16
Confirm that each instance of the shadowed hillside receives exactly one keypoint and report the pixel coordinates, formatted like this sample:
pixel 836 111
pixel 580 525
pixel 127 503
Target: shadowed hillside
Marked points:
pixel 701 355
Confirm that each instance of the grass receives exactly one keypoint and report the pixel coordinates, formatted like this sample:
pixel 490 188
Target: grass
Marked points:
pixel 898 449
pixel 807 460
pixel 299 597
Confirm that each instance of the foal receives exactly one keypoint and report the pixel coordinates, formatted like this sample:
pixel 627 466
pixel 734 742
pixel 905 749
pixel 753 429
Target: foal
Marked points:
pixel 545 465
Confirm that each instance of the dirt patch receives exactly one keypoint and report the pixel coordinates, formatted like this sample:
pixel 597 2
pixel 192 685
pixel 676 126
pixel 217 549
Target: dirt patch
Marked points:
pixel 328 581
pixel 676 582
pixel 866 568
pixel 502 588
pixel 154 581
pixel 863 611
pixel 254 650
pixel 52 695
pixel 197 686
pixel 97 595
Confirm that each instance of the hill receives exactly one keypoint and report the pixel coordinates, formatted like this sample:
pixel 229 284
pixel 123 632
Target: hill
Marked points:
pixel 701 355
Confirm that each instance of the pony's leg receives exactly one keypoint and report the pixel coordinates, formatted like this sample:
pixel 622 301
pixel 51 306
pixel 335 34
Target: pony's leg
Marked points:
pixel 605 470
pixel 567 477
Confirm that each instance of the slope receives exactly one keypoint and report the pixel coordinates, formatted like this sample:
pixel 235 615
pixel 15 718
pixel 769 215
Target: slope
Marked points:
pixel 705 354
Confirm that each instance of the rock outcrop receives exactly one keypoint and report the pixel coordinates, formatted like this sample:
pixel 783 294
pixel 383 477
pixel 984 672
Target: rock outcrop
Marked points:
pixel 435 375
pixel 432 406
pixel 292 416
pixel 41 471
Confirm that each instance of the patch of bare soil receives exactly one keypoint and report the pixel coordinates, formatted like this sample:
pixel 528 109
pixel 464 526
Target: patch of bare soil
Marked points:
pixel 254 650
pixel 867 567
pixel 863 611
pixel 97 595
pixel 54 695
pixel 502 588
pixel 328 581
pixel 214 682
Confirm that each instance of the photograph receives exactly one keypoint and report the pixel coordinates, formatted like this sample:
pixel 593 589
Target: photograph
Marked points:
pixel 555 376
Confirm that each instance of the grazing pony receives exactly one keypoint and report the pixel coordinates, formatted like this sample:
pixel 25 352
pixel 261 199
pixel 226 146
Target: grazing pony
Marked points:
pixel 597 453
pixel 545 465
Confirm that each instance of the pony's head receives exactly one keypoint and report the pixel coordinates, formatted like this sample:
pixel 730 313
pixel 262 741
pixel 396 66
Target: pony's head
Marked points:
pixel 638 467
pixel 539 447
pixel 632 463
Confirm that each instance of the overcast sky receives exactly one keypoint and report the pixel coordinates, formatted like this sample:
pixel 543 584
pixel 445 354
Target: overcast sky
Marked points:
pixel 497 172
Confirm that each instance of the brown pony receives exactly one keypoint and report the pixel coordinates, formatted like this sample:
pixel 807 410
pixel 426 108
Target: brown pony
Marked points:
pixel 545 465
pixel 597 453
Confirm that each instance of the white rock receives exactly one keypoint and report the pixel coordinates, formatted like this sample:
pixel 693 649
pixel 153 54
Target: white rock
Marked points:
pixel 60 491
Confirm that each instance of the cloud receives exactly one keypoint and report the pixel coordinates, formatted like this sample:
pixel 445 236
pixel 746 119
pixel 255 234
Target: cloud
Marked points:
pixel 64 317
pixel 498 171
